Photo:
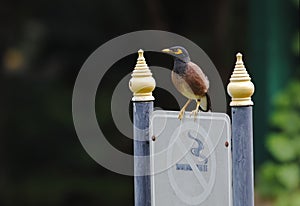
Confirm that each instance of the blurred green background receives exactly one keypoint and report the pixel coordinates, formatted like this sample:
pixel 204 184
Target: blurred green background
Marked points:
pixel 43 45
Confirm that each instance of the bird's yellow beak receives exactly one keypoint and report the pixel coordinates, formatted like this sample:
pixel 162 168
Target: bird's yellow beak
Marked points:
pixel 166 50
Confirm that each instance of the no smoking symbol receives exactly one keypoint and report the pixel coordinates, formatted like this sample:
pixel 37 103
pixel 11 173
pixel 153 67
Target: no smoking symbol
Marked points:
pixel 193 172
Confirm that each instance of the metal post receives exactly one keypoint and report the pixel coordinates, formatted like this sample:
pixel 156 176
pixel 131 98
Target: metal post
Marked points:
pixel 142 84
pixel 142 184
pixel 241 89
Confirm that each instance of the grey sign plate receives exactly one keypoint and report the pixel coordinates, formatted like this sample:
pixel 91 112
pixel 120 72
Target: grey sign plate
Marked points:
pixel 190 159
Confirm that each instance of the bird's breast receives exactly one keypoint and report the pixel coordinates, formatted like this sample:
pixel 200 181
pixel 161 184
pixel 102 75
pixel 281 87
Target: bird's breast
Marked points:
pixel 182 86
pixel 192 83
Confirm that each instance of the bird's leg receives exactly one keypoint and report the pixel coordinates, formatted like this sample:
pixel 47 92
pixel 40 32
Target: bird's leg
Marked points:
pixel 195 112
pixel 181 113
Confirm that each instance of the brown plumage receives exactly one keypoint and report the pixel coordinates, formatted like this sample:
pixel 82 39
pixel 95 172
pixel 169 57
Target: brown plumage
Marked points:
pixel 189 80
pixel 193 84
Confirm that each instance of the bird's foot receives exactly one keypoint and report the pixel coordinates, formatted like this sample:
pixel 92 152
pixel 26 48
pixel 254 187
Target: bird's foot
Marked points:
pixel 194 113
pixel 181 114
pixel 196 110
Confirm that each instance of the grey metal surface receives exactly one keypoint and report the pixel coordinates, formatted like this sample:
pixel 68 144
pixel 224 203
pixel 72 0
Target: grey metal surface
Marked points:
pixel 142 184
pixel 242 156
pixel 189 160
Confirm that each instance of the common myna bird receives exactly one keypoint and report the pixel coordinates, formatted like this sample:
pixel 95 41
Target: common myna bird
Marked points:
pixel 189 80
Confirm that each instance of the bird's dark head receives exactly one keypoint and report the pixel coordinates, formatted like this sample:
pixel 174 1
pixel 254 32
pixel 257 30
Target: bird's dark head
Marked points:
pixel 178 52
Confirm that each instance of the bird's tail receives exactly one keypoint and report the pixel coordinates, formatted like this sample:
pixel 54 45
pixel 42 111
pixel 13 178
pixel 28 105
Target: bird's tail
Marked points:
pixel 205 104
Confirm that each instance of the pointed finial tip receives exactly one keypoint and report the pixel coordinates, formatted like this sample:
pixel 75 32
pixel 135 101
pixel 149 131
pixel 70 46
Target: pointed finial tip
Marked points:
pixel 141 52
pixel 239 57
pixel 240 87
pixel 141 83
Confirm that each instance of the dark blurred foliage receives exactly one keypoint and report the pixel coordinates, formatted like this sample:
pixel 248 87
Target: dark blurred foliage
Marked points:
pixel 282 173
pixel 278 179
pixel 43 45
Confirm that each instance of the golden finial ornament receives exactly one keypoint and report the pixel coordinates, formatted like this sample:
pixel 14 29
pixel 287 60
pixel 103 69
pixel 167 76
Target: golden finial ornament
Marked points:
pixel 142 83
pixel 240 87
